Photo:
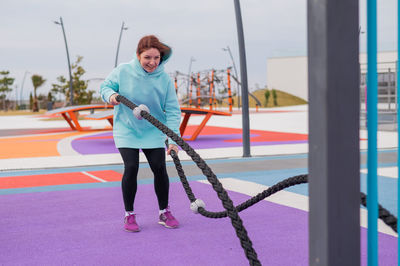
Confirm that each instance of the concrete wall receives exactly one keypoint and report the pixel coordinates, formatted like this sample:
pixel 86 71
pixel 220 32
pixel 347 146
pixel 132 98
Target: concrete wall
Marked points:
pixel 386 60
pixel 290 74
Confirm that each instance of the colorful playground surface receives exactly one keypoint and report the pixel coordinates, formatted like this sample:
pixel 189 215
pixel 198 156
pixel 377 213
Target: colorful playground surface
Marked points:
pixel 62 203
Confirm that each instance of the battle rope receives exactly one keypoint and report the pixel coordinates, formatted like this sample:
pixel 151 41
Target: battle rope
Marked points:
pixel 198 205
pixel 384 214
pixel 227 203
pixel 388 218
pixel 295 180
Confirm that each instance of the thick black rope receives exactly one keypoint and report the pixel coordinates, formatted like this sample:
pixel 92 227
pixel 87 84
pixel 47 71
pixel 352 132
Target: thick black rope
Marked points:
pixel 227 203
pixel 295 180
pixel 388 218
pixel 231 210
pixel 383 214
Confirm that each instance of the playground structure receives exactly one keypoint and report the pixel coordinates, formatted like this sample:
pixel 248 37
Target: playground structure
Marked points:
pixel 206 86
pixel 208 89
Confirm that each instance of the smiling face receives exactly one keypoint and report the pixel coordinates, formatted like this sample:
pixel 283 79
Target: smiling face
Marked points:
pixel 150 59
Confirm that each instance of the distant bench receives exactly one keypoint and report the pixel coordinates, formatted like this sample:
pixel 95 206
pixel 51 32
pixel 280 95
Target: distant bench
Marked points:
pixel 188 111
pixel 107 114
pixel 70 113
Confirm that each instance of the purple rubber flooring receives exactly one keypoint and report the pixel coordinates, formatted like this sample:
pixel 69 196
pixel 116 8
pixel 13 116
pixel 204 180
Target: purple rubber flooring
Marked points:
pixel 84 227
pixel 103 142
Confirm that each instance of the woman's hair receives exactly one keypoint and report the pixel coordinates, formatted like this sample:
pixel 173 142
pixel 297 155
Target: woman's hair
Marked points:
pixel 151 41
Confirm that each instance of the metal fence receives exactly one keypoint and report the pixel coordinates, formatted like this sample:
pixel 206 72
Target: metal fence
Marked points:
pixel 387 96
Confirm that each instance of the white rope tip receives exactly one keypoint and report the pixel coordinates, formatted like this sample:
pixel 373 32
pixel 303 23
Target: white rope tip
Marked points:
pixel 194 206
pixel 139 109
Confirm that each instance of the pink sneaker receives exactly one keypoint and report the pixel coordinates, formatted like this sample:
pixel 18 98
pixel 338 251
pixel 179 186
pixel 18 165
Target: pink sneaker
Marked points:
pixel 130 224
pixel 168 220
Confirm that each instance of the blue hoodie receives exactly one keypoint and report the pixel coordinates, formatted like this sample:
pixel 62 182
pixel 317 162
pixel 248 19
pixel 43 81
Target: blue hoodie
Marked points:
pixel 155 90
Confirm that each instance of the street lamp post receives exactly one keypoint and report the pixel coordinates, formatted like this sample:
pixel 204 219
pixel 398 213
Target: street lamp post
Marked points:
pixel 71 90
pixel 22 87
pixel 243 78
pixel 189 75
pixel 119 42
pixel 236 74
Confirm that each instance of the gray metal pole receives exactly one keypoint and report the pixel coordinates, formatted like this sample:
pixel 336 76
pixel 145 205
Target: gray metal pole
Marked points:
pixel 334 155
pixel 119 42
pixel 71 90
pixel 389 88
pixel 243 75
pixel 189 76
pixel 236 74
pixel 22 87
pixel 396 97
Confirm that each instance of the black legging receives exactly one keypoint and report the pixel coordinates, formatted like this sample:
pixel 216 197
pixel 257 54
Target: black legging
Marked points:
pixel 156 159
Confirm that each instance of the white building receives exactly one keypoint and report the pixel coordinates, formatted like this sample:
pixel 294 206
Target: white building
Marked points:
pixel 289 74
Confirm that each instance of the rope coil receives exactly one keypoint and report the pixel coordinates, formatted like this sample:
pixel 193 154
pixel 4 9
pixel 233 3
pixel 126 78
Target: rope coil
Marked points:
pixel 231 211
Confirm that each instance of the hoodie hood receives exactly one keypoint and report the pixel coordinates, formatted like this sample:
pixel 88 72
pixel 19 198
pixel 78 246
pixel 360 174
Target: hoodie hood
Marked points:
pixel 160 69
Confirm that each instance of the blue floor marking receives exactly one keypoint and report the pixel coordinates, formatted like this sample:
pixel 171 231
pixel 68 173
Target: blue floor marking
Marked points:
pixel 387 192
pixel 58 188
pixel 61 170
pixel 142 165
pixel 169 163
pixel 83 186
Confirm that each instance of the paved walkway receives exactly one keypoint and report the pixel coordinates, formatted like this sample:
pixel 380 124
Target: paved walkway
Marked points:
pixel 61 199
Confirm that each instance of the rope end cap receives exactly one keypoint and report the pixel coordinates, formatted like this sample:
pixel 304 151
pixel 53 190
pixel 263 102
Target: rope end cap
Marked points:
pixel 195 205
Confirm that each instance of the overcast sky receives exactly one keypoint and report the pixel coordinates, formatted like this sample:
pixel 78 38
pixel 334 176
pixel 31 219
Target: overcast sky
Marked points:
pixel 30 41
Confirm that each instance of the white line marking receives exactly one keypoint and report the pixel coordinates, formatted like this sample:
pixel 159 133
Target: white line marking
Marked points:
pixel 287 198
pixel 384 171
pixel 94 177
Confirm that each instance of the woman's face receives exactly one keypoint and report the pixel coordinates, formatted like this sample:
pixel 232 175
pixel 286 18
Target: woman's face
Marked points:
pixel 150 59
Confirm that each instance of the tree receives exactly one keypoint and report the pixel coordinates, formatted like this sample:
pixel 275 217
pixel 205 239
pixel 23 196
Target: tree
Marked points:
pixel 81 94
pixel 5 86
pixel 50 97
pixel 274 96
pixel 30 101
pixel 266 95
pixel 37 81
pixel 50 101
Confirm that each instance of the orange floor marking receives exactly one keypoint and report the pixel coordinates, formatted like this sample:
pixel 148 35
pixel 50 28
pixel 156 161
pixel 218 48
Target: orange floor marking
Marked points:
pixel 32 146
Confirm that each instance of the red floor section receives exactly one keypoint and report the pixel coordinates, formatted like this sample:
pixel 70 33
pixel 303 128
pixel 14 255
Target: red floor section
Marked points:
pixel 57 179
pixel 262 134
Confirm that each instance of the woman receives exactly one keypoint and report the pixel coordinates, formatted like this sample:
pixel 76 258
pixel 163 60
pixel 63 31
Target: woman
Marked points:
pixel 144 81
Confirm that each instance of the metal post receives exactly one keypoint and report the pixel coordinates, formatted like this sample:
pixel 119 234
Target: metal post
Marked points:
pixel 189 75
pixel 71 90
pixel 22 87
pixel 119 42
pixel 398 125
pixel 243 74
pixel 396 91
pixel 372 118
pixel 236 74
pixel 389 88
pixel 334 155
